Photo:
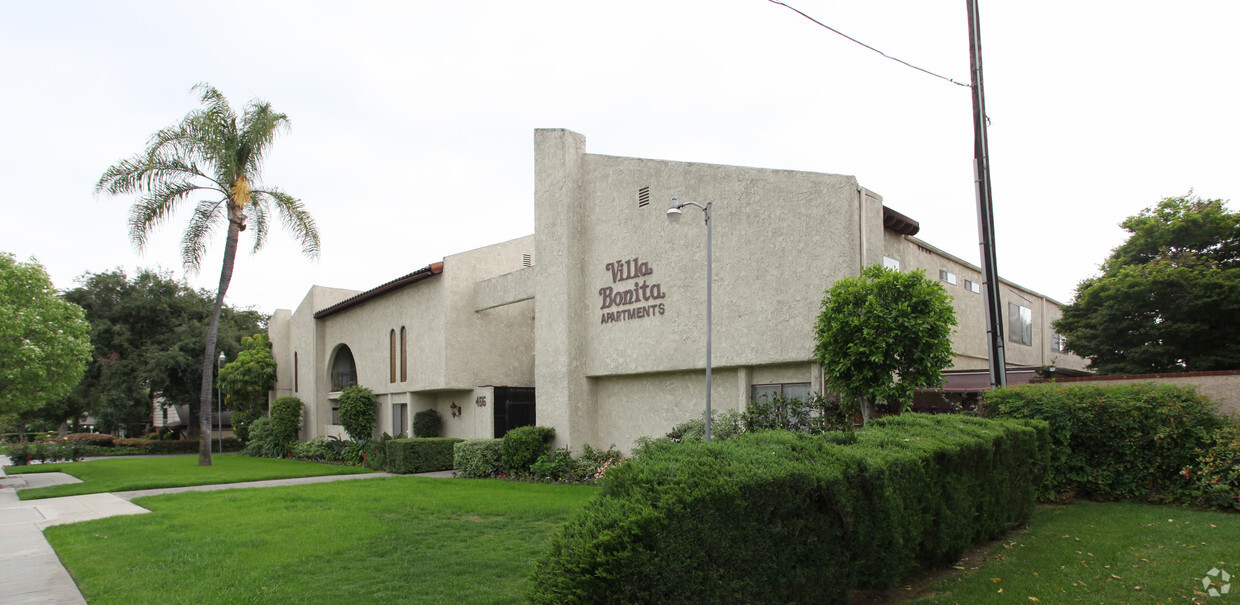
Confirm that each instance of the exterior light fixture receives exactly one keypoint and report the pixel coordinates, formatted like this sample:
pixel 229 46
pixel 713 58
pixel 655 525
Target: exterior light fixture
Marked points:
pixel 673 216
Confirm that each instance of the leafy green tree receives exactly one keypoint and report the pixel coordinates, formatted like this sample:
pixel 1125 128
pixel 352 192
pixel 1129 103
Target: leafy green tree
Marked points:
pixel 247 380
pixel 1168 298
pixel 883 335
pixel 44 339
pixel 212 152
pixel 146 335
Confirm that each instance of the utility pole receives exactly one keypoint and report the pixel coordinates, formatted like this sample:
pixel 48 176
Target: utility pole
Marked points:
pixel 985 208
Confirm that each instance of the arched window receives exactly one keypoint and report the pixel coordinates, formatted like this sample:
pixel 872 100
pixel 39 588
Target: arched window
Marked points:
pixel 392 355
pixel 344 371
pixel 404 356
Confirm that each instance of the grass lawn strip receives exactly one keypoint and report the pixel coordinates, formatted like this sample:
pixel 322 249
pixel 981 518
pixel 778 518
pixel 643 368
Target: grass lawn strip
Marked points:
pixel 1104 553
pixel 398 539
pixel 125 474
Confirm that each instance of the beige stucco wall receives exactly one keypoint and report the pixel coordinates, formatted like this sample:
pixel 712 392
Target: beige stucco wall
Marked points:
pixel 780 239
pixel 450 347
pixel 969 342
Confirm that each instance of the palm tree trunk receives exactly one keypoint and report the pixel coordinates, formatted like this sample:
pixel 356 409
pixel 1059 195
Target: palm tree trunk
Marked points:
pixel 213 329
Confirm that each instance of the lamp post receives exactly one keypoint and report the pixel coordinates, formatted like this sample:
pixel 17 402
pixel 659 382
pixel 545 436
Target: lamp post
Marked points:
pixel 219 391
pixel 673 215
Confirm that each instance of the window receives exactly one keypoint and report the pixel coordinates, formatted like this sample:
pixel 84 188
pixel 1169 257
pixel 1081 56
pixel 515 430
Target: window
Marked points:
pixel 344 372
pixel 335 415
pixel 947 276
pixel 404 356
pixel 1020 324
pixel 1058 343
pixel 392 355
pixel 399 411
pixel 295 371
pixel 791 390
pixel 972 286
pixel 891 263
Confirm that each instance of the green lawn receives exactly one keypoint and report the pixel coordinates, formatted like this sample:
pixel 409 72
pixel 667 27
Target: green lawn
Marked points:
pixel 123 474
pixel 398 539
pixel 1105 553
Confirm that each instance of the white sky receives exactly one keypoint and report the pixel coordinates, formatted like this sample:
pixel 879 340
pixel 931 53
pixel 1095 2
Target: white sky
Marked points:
pixel 413 121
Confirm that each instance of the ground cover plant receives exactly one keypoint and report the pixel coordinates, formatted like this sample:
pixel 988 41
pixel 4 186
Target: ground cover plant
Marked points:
pixel 400 539
pixel 1118 552
pixel 116 475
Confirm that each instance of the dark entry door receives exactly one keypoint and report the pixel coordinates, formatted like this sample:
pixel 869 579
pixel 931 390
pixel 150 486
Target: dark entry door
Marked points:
pixel 514 407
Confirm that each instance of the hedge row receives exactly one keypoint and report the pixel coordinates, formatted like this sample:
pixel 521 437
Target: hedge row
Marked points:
pixel 422 455
pixel 68 450
pixel 1114 441
pixel 779 517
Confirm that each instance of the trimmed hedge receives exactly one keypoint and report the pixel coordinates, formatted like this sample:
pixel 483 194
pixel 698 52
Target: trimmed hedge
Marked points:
pixel 286 418
pixel 478 458
pixel 405 456
pixel 523 445
pixel 1114 441
pixel 781 517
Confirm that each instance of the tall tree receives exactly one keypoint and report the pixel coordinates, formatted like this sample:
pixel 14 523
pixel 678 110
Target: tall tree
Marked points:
pixel 1168 298
pixel 44 339
pixel 883 335
pixel 147 333
pixel 246 380
pixel 216 153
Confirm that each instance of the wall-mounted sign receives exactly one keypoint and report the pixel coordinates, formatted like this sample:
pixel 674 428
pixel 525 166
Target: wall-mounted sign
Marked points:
pixel 630 301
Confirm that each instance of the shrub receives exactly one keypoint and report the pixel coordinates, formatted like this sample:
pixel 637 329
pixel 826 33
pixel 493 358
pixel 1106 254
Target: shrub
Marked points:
pixel 1114 441
pixel 779 516
pixel 318 449
pixel 357 412
pixel 264 442
pixel 353 453
pixel 723 426
pixel 814 415
pixel 1215 478
pixel 95 439
pixel 427 423
pixel 22 454
pixel 559 465
pixel 601 460
pixel 241 420
pixel 405 456
pixel 523 445
pixel 478 458
pixel 286 418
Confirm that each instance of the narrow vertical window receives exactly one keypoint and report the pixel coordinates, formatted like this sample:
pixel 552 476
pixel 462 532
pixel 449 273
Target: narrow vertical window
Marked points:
pixel 404 356
pixel 295 376
pixel 392 354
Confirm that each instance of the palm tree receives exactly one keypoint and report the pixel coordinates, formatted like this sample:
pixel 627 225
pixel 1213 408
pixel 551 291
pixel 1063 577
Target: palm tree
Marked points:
pixel 215 153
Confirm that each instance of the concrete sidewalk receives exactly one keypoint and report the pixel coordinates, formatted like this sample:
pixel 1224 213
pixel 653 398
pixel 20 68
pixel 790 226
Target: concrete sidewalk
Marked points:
pixel 30 571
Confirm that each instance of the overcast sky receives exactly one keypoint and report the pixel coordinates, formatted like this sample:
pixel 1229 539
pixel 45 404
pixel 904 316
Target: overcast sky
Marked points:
pixel 412 122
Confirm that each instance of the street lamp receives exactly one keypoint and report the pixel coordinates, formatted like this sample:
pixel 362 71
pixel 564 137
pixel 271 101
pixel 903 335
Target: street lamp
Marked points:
pixel 219 391
pixel 673 216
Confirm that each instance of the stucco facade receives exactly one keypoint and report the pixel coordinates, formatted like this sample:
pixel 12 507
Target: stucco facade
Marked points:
pixel 608 321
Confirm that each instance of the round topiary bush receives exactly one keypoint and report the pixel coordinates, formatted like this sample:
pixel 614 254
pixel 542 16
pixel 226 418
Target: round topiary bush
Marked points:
pixel 286 418
pixel 357 412
pixel 427 423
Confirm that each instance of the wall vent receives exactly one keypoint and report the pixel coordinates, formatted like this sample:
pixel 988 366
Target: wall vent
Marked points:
pixel 526 261
pixel 643 197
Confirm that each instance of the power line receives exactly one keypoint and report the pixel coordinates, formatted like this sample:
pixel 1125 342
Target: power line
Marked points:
pixel 856 41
